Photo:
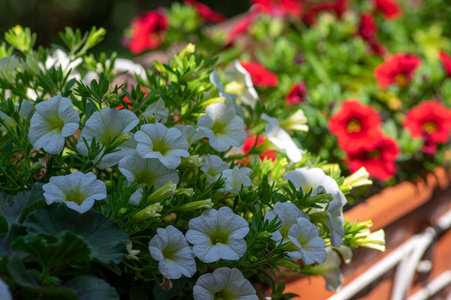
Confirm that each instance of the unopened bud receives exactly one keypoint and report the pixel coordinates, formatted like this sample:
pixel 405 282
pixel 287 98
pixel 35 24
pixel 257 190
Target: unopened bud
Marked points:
pixel 207 203
pixel 187 192
pixel 189 49
pixel 165 191
pixel 150 211
pixel 288 263
pixel 114 100
pixel 264 235
pixel 192 161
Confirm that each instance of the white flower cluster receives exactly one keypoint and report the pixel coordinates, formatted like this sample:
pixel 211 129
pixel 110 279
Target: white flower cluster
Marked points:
pixel 151 155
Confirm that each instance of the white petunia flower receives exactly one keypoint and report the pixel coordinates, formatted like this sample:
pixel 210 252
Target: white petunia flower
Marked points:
pixel 104 126
pixel 5 293
pixel 190 133
pixel 222 127
pixel 166 145
pixel 224 283
pixel 304 236
pixel 54 120
pixel 281 139
pixel 159 110
pixel 330 270
pixel 77 190
pixel 218 234
pixel 129 66
pixel 287 213
pixel 213 167
pixel 241 84
pixel 236 178
pixel 314 179
pixel 231 98
pixel 8 66
pixel 60 59
pixel 146 172
pixel 175 257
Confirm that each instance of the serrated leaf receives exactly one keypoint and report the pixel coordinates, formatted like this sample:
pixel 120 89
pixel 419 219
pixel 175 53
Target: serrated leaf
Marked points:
pixel 11 209
pixel 104 238
pixel 52 251
pixel 91 288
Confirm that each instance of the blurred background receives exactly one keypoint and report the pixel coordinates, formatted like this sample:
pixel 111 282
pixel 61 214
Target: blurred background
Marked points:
pixel 48 17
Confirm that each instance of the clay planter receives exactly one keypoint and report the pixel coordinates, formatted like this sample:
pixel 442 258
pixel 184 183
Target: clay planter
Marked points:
pixel 402 211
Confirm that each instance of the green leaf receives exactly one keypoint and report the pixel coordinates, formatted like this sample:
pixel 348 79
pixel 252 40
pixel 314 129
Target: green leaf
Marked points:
pixel 7 239
pixel 51 251
pixel 91 288
pixel 103 237
pixel 11 209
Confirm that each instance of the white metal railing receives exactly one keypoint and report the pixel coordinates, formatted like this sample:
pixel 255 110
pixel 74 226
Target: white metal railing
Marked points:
pixel 406 256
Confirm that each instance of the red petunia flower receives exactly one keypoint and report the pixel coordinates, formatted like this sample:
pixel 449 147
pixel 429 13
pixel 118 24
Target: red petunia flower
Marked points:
pixel 367 31
pixel 260 75
pixel 297 94
pixel 379 162
pixel 445 58
pixel 356 126
pixel 279 8
pixel 127 101
pixel 367 26
pixel 313 10
pixel 397 68
pixel 240 27
pixel 429 120
pixel 205 11
pixel 250 142
pixel 390 9
pixel 148 31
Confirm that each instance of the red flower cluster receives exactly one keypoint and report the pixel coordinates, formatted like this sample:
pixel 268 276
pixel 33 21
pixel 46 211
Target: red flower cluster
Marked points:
pixel 379 162
pixel 390 9
pixel 260 75
pixel 148 31
pixel 249 144
pixel 205 12
pixel 397 68
pixel 357 127
pixel 297 94
pixel 431 121
pixel 279 8
pixel 240 27
pixel 367 31
pixel 445 58
pixel 313 10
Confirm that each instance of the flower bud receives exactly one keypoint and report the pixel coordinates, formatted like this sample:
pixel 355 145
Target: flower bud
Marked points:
pixel 207 203
pixel 288 263
pixel 150 211
pixel 192 161
pixel 165 191
pixel 189 49
pixel 264 235
pixel 187 192
pixel 374 240
pixel 356 179
pixel 114 100
pixel 252 258
pixel 296 121
pixel 109 185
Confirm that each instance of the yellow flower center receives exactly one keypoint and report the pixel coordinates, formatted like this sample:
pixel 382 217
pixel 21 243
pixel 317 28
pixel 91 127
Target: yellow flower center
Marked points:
pixel 429 127
pixel 219 237
pixel 401 80
pixel 354 125
pixel 160 146
pixel 75 196
pixel 218 128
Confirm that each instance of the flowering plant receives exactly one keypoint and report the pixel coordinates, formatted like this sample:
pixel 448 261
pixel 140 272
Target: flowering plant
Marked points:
pixel 141 189
pixel 373 83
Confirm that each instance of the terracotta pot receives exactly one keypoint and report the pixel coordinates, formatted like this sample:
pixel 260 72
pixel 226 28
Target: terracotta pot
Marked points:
pixel 402 211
